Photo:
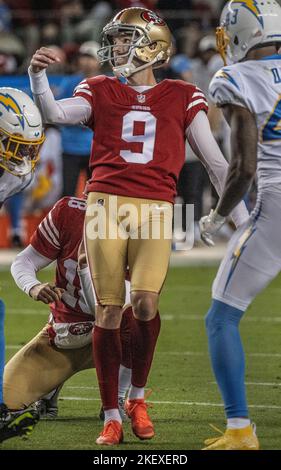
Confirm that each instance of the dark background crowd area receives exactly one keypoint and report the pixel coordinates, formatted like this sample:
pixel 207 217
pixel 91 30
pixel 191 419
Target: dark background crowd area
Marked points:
pixel 72 28
pixel 25 25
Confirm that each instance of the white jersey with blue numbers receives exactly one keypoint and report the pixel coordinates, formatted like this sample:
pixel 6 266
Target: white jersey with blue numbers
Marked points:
pixel 256 85
pixel 253 256
pixel 10 185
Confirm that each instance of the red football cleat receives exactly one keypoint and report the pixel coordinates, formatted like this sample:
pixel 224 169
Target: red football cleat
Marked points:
pixel 112 434
pixel 141 423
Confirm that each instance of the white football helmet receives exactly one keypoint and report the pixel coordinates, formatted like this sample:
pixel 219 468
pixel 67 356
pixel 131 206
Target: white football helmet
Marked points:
pixel 247 24
pixel 21 132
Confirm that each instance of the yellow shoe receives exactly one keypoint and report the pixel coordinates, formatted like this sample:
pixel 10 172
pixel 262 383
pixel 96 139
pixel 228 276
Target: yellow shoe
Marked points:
pixel 234 439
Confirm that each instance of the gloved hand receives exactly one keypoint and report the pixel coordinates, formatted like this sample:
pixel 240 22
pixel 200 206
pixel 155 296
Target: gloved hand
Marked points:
pixel 209 225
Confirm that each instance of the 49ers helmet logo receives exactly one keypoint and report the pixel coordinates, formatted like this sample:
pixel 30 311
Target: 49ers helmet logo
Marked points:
pixel 151 17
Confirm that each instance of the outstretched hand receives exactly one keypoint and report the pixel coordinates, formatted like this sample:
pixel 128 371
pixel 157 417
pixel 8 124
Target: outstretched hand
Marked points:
pixel 209 225
pixel 42 58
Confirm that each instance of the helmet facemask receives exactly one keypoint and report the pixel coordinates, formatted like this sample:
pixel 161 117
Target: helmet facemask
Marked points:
pixel 18 156
pixel 223 41
pixel 141 52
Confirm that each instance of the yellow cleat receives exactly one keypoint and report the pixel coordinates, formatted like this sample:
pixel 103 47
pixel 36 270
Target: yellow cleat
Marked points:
pixel 234 439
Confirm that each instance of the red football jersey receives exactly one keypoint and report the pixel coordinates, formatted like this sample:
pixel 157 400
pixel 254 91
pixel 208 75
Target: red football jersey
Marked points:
pixel 58 238
pixel 138 148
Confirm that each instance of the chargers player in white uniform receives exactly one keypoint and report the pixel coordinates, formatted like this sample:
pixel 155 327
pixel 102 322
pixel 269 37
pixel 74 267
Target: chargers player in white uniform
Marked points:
pixel 249 93
pixel 21 136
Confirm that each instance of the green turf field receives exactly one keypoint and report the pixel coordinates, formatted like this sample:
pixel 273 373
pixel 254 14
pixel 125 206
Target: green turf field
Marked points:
pixel 184 397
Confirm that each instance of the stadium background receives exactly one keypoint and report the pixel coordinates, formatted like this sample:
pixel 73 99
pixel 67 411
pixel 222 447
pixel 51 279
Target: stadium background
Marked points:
pixel 185 398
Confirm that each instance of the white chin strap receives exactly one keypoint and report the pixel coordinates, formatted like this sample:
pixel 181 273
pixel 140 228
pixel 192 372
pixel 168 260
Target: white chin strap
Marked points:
pixel 129 69
pixel 23 169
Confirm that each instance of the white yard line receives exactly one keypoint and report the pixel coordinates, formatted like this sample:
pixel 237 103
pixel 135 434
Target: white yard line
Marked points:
pixel 200 353
pixel 177 353
pixel 171 317
pixel 200 288
pixel 28 311
pixel 177 403
pixel 81 388
pixel 264 384
pixel 259 384
pixel 164 317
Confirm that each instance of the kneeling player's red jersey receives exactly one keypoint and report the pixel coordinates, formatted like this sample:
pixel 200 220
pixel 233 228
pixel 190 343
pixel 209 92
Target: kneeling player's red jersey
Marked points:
pixel 58 238
pixel 139 137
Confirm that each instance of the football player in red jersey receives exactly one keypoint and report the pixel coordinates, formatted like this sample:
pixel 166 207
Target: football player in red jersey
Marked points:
pixel 140 128
pixel 64 346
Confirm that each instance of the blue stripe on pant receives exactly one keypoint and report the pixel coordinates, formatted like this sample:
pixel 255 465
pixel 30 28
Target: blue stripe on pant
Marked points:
pixel 227 356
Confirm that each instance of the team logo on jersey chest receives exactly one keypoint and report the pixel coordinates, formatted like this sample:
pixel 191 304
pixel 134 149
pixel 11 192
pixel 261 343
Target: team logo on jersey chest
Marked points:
pixel 141 98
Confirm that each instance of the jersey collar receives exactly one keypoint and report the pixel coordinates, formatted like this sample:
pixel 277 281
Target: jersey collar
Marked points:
pixel 272 57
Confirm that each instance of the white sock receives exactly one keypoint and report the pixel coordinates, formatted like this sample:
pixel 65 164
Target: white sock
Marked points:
pixel 112 415
pixel 135 393
pixel 125 376
pixel 238 423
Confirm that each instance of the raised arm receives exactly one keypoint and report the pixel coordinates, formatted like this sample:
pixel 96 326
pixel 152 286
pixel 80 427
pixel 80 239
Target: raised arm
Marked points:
pixel 75 110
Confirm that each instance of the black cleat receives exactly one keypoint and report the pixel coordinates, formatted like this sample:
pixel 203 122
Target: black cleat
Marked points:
pixel 16 423
pixel 46 409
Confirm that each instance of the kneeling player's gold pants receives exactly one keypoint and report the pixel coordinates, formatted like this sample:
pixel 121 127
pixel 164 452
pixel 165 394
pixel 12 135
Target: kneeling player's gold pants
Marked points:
pixel 38 368
pixel 123 232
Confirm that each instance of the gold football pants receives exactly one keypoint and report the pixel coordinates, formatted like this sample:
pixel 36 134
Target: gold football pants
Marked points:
pixel 38 368
pixel 123 232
